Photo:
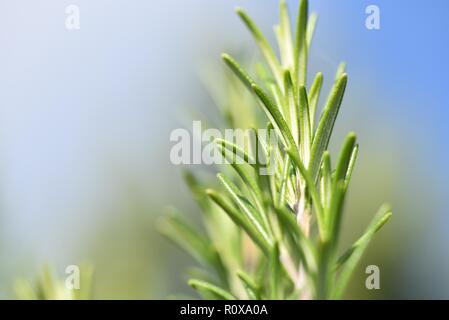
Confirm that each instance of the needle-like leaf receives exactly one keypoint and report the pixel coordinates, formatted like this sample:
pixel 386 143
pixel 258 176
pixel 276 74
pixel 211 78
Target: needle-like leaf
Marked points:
pixel 252 287
pixel 243 171
pixel 291 103
pixel 275 118
pixel 248 177
pixel 311 28
pixel 284 181
pixel 301 43
pixel 248 210
pixel 340 70
pixel 238 70
pixel 285 35
pixel 210 288
pixel 263 44
pixel 339 186
pixel 348 261
pixel 240 220
pixel 239 153
pixel 314 97
pixel 197 190
pixel 280 100
pixel 326 124
pixel 304 125
pixel 198 246
pixel 275 273
pixel 355 152
pixel 326 177
pixel 345 157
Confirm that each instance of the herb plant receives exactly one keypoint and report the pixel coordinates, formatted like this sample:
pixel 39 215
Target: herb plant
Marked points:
pixel 276 236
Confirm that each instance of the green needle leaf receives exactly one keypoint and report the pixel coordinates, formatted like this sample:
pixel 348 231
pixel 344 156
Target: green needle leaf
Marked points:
pixel 326 176
pixel 335 211
pixel 291 103
pixel 301 44
pixel 315 91
pixel 280 100
pixel 339 185
pixel 251 214
pixel 275 118
pixel 232 148
pixel 275 273
pixel 198 246
pixel 340 70
pixel 263 44
pixel 355 152
pixel 304 125
pixel 243 172
pixel 348 261
pixel 183 235
pixel 311 28
pixel 252 288
pixel 286 35
pixel 203 286
pixel 345 157
pixel 284 181
pixel 240 220
pixel 238 70
pixel 326 124
pixel 197 190
pixel 249 180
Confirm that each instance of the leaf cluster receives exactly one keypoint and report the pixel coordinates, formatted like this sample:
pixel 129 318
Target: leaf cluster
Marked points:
pixel 276 236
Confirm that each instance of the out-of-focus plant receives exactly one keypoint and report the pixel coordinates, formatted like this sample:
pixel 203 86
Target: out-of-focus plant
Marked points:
pixel 48 287
pixel 276 236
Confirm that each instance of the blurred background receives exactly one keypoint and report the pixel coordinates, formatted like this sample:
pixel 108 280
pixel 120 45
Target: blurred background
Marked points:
pixel 85 119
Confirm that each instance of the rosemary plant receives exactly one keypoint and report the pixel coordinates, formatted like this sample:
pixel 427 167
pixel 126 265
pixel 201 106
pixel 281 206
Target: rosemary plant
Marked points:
pixel 276 236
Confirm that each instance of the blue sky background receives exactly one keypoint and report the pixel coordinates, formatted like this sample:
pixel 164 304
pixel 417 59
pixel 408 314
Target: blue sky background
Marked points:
pixel 85 115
